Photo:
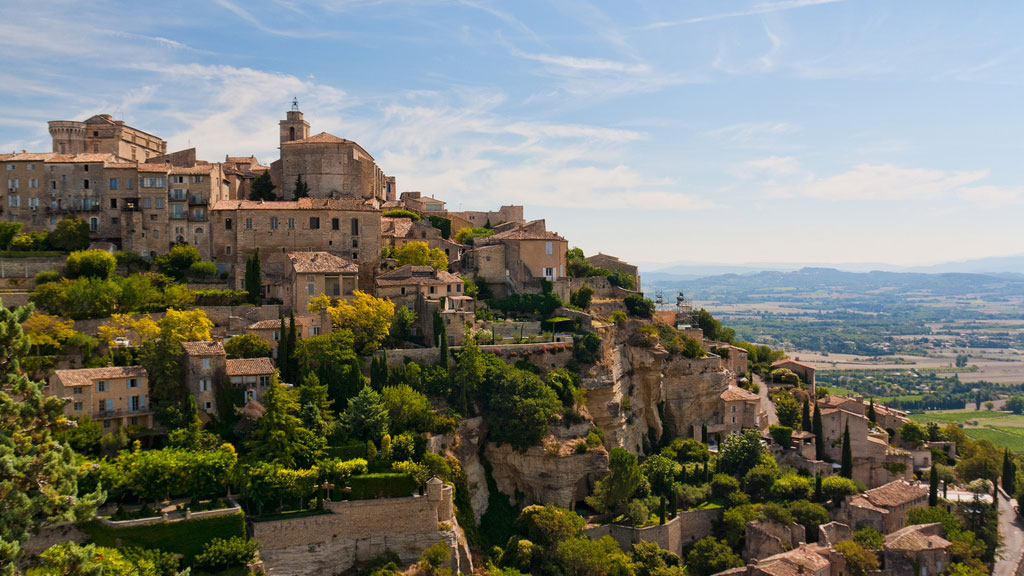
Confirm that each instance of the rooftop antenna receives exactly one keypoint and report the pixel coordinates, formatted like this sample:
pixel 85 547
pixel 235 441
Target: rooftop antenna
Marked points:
pixel 295 103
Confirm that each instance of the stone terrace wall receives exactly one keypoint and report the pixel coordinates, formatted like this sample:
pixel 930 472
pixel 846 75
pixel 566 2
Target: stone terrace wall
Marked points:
pixel 545 355
pixel 29 267
pixel 684 529
pixel 355 531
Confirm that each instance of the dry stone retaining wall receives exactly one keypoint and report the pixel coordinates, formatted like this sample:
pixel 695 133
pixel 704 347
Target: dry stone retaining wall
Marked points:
pixel 673 535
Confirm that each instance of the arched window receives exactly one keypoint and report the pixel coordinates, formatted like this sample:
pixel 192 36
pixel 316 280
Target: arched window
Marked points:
pixel 291 133
pixel 199 230
pixel 227 223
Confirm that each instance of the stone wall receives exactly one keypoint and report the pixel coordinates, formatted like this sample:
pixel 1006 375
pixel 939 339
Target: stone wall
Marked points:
pixel 767 538
pixel 673 535
pixel 546 477
pixel 545 355
pixel 357 531
pixel 29 267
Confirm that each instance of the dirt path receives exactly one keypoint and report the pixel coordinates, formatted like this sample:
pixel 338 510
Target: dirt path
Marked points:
pixel 766 403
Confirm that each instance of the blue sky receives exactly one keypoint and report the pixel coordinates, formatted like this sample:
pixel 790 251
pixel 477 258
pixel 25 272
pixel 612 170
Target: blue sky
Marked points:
pixel 811 131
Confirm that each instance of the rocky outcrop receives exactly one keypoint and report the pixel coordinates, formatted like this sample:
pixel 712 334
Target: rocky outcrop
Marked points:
pixel 467 450
pixel 550 474
pixel 766 538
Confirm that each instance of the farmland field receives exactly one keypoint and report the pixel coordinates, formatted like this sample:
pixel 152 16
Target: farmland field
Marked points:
pixel 1001 428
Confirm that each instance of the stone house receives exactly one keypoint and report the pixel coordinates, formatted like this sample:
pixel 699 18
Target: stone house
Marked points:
pixel 740 409
pixel 519 257
pixel 480 219
pixel 204 371
pixel 250 376
pixel 306 325
pixel 345 227
pixel 916 551
pixel 875 462
pixel 423 289
pixel 733 358
pixel 397 232
pixel 115 396
pixel 802 369
pixel 312 274
pixel 806 560
pixel 613 263
pixel 884 508
pixel 417 202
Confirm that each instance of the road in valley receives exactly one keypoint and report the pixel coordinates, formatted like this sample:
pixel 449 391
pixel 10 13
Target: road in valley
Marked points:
pixel 1012 530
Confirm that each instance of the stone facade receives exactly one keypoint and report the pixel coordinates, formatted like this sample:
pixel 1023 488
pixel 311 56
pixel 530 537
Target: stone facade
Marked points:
pixel 613 263
pixel 675 534
pixel 101 134
pixel 115 396
pixel 205 369
pixel 916 550
pixel 312 274
pixel 358 531
pixel 766 538
pixel 884 508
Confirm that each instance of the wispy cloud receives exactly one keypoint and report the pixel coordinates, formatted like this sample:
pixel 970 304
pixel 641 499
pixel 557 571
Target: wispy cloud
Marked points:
pixel 257 23
pixel 754 10
pixel 586 64
pixel 754 134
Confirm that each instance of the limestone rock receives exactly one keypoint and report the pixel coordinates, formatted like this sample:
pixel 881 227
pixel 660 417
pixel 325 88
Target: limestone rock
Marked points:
pixel 552 474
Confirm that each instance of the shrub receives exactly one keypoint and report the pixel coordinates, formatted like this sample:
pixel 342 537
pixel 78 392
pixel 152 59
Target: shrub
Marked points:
pixel 692 348
pixel 402 213
pixel 220 297
pixel 202 270
pixel 722 485
pixel 91 264
pixel 220 553
pixel 782 435
pixel 791 487
pixel 70 234
pixel 47 276
pixel 381 485
pixel 639 306
pixel 581 298
pixel 467 235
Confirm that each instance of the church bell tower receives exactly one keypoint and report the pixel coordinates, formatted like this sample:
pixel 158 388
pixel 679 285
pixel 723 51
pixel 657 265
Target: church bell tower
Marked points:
pixel 294 127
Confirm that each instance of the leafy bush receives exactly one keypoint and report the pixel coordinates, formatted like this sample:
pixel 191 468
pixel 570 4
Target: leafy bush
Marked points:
pixel 381 485
pixel 220 553
pixel 639 306
pixel 467 235
pixel 220 297
pixel 69 235
pixel 581 298
pixel 543 304
pixel 585 346
pixel 178 261
pixel 202 270
pixel 90 264
pixel 402 213
pixel 782 435
pixel 47 276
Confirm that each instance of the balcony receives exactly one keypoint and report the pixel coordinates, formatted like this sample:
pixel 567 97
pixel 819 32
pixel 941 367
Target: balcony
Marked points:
pixel 177 197
pixel 198 217
pixel 198 201
pixel 181 216
pixel 121 413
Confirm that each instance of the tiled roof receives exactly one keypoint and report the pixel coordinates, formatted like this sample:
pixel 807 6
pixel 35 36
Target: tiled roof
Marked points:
pixel 802 434
pixel 275 323
pixel 155 167
pixel 397 227
pixel 409 275
pixel 320 263
pixel 915 538
pixel 803 560
pixel 325 138
pixel 859 501
pixel 350 203
pixel 790 361
pixel 249 366
pixel 242 159
pixel 733 393
pixel 896 493
pixel 26 156
pixel 197 169
pixel 86 376
pixel 73 158
pixel 204 348
pixel 121 165
pixel 528 231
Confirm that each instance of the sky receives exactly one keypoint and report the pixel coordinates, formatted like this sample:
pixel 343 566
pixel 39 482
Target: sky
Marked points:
pixel 746 131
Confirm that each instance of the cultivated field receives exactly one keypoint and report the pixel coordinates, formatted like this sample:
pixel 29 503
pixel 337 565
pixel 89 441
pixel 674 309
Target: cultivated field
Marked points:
pixel 1001 428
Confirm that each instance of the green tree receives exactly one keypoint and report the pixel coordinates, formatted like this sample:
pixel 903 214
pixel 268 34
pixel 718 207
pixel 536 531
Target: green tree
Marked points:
pixel 402 324
pixel 280 437
pixel 519 406
pixel 788 410
pixel 872 413
pixel 859 560
pixel 91 560
pixel 178 261
pixel 625 478
pixel 837 487
pixel 819 434
pixel 869 538
pixel 653 560
pixel 368 318
pixel 805 417
pixel 1009 473
pixel 246 346
pixel 90 264
pixel 661 473
pixel 366 417
pixel 313 393
pixel 262 188
pixel 253 277
pixel 710 556
pixel 912 434
pixel 741 452
pixel 292 361
pixel 301 188
pixel 581 298
pixel 407 409
pixel 70 234
pixel 933 487
pixel 809 515
pixel 8 230
pixel 639 306
pixel 1015 404
pixel 846 465
pixel 39 482
pixel 549 525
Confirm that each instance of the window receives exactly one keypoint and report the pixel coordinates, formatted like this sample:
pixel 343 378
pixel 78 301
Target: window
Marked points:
pixel 227 223
pixel 310 287
pixel 156 233
pixel 113 184
pixel 178 194
pixel 335 224
pixel 94 224
pixel 33 202
pixel 248 223
pixel 133 383
pixel 147 203
pixel 78 407
pixel 113 202
pixel 316 330
pixel 291 223
pixel 355 255
pixel 198 231
pixel 159 203
pixel 53 184
pixel 12 183
pixel 14 200
pixel 115 220
pixel 30 167
pixel 197 179
pixel 355 227
pixel 177 179
pixel 432 288
pixel 206 363
pixel 227 249
pixel 134 403
pixel 85 167
pixel 177 210
pixel 547 248
pixel 207 405
pixel 106 423
pixel 10 167
pixel 33 183
pixel 101 386
pixel 355 242
pixel 127 183
pixel 204 385
pixel 78 391
pixel 264 381
pixel 277 335
pixel 273 222
pixel 153 182
pixel 549 273
pixel 314 223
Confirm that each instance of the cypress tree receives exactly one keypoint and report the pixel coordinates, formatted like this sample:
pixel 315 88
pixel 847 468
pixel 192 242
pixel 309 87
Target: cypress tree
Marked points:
pixel 283 353
pixel 1009 473
pixel 443 359
pixel 872 415
pixel 933 487
pixel 704 433
pixel 353 382
pixel 661 512
pixel 805 423
pixel 819 436
pixel 253 277
pixel 293 360
pixel 819 494
pixel 846 466
pixel 301 188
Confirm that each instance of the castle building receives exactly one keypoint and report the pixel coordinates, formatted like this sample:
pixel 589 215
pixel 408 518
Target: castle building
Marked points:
pixel 101 134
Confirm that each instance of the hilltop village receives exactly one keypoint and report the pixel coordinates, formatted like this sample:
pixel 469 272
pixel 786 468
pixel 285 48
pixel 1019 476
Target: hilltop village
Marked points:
pixel 296 369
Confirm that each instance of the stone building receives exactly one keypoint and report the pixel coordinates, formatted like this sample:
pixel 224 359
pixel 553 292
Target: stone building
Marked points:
pixel 345 227
pixel 802 369
pixel 398 232
pixel 204 371
pixel 306 325
pixel 613 263
pixel 239 172
pixel 115 396
pixel 101 134
pixel 518 258
pixel 916 550
pixel 480 219
pixel 250 376
pixel 427 205
pixel 740 409
pixel 884 508
pixel 423 290
pixel 875 462
pixel 332 167
pixel 312 274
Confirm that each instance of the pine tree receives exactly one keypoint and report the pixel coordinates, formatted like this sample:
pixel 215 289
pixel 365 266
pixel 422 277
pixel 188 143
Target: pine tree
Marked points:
pixel 933 486
pixel 1009 473
pixel 353 383
pixel 846 466
pixel 819 436
pixel 301 188
pixel 280 436
pixel 872 415
pixel 312 392
pixel 805 422
pixel 39 477
pixel 253 277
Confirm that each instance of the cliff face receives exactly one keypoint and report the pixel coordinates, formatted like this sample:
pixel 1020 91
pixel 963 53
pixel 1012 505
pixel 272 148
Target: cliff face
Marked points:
pixel 547 474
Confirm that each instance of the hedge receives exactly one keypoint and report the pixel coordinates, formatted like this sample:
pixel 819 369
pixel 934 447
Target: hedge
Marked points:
pixel 382 485
pixel 220 297
pixel 185 537
pixel 347 451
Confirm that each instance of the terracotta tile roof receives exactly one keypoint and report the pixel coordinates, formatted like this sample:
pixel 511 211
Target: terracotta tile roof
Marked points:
pixel 803 560
pixel 73 158
pixel 409 275
pixel 916 538
pixel 733 393
pixel 325 138
pixel 896 493
pixel 397 227
pixel 121 165
pixel 275 323
pixel 26 156
pixel 155 167
pixel 350 203
pixel 204 348
pixel 197 169
pixel 320 263
pixel 529 231
pixel 242 159
pixel 794 362
pixel 859 501
pixel 249 366
pixel 803 434
pixel 86 376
